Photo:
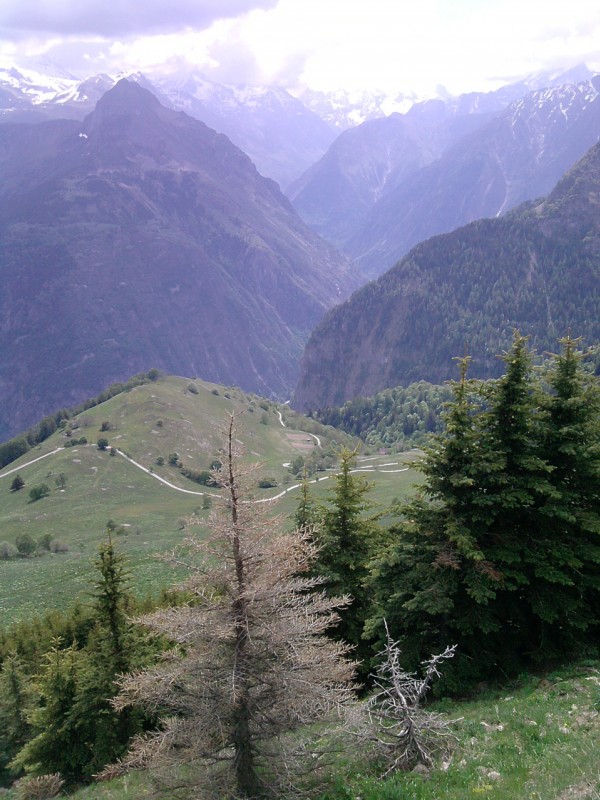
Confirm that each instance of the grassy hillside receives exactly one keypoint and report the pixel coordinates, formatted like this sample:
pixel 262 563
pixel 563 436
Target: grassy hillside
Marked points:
pixel 537 739
pixel 150 422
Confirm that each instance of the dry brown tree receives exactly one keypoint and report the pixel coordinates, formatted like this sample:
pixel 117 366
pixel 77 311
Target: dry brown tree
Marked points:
pixel 251 671
pixel 392 723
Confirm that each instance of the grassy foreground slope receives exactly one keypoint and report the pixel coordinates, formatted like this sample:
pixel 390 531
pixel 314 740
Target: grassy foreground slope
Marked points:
pixel 150 422
pixel 538 739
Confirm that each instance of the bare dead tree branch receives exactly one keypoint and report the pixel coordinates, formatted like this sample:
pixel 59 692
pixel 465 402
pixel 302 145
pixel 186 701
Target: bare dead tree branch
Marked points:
pixel 392 722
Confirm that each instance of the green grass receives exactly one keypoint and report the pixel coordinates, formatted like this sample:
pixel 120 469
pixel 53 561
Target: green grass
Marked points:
pixel 147 422
pixel 538 739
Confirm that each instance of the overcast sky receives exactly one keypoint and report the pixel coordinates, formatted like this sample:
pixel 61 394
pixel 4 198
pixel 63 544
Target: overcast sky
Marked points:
pixel 392 45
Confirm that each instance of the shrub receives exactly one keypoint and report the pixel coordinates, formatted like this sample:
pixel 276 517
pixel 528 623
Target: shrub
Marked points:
pixel 215 392
pixel 26 544
pixel 17 483
pixel 44 541
pixel 38 492
pixel 173 459
pixel 160 461
pixel 267 483
pixel 159 423
pixel 41 787
pixel 102 444
pixel 7 551
pixel 105 426
pixel 203 477
pixel 75 442
pixel 192 388
pixel 57 546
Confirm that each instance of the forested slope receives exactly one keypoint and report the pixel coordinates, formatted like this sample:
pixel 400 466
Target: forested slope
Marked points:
pixel 465 292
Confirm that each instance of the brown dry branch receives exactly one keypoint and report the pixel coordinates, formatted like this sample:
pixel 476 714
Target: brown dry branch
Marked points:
pixel 40 787
pixel 392 723
pixel 252 670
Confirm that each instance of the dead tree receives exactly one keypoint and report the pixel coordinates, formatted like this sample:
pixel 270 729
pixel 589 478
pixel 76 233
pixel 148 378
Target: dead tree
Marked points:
pixel 252 668
pixel 393 722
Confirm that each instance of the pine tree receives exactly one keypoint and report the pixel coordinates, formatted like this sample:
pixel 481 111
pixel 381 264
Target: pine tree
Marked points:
pixel 306 516
pixel 517 489
pixel 17 483
pixel 571 517
pixel 14 727
pixel 55 745
pixel 253 667
pixel 111 599
pixel 113 649
pixel 74 728
pixel 347 540
pixel 453 468
pixel 433 582
pixel 492 556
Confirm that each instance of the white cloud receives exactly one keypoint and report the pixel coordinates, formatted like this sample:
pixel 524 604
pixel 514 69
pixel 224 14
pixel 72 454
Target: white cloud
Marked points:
pixel 96 18
pixel 395 45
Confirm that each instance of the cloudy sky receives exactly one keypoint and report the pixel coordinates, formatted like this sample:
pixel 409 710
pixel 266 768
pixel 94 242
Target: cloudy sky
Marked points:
pixel 392 45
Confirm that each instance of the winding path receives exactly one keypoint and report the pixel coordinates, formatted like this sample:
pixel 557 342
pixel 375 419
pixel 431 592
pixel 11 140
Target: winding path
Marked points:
pixel 28 463
pixel 152 474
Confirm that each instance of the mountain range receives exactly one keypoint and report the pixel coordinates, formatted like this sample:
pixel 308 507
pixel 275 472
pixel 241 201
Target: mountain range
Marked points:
pixel 133 235
pixel 535 269
pixel 283 135
pixel 139 238
pixel 388 184
pixel 280 134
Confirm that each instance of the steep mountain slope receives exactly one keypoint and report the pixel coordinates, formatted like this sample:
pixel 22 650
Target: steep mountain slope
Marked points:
pixel 281 136
pixel 390 183
pixel 140 238
pixel 537 269
pixel 516 156
pixel 367 163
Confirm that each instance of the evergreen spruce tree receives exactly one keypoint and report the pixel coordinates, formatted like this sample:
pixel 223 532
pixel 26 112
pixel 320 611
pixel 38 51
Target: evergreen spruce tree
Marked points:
pixel 453 468
pixel 488 557
pixel 74 728
pixel 14 727
pixel 306 517
pixel 113 649
pixel 347 540
pixel 56 745
pixel 571 518
pixel 434 580
pixel 111 600
pixel 17 483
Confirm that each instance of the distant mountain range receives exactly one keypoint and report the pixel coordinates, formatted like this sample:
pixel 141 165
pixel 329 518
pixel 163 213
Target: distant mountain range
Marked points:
pixel 536 269
pixel 390 183
pixel 132 235
pixel 280 134
pixel 140 237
